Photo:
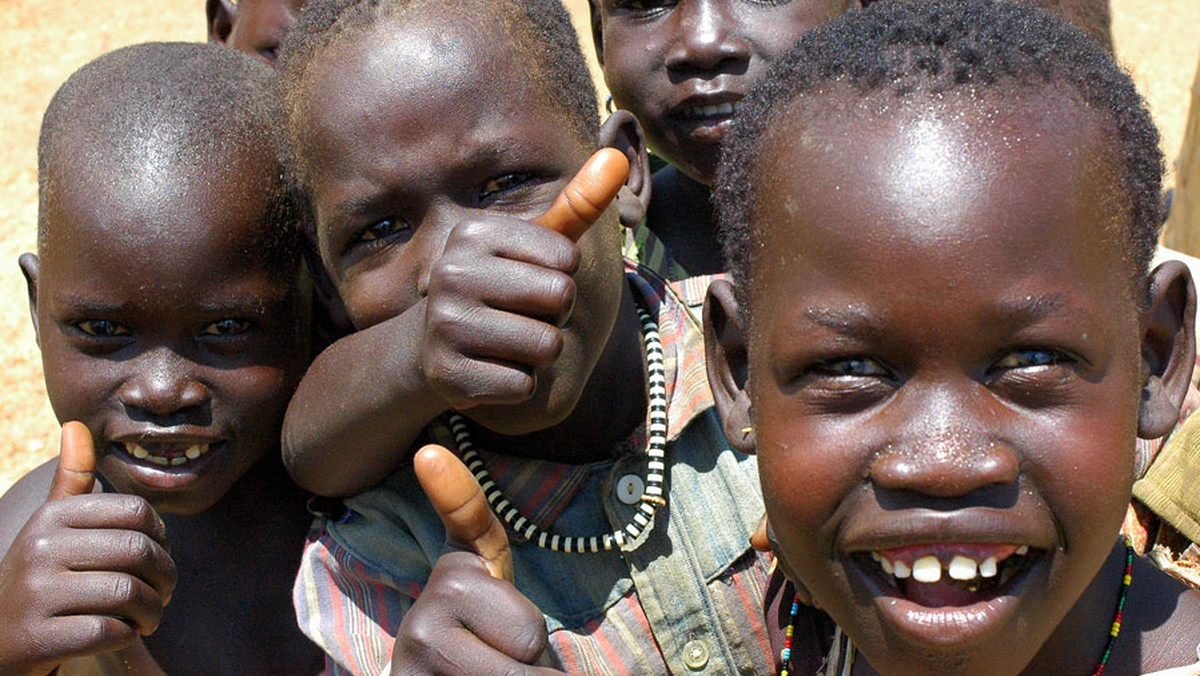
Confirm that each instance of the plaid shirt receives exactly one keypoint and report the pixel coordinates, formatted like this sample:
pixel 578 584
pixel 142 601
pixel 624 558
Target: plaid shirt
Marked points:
pixel 685 598
pixel 643 246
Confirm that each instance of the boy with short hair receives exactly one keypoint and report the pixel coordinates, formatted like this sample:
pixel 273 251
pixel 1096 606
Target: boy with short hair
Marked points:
pixel 170 308
pixel 425 145
pixel 942 370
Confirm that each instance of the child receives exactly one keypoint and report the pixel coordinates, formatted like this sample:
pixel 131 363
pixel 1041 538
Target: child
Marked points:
pixel 422 173
pixel 252 26
pixel 166 296
pixel 682 68
pixel 942 367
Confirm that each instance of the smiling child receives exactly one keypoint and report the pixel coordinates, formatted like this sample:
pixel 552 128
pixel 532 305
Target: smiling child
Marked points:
pixel 169 307
pixel 425 145
pixel 682 68
pixel 942 337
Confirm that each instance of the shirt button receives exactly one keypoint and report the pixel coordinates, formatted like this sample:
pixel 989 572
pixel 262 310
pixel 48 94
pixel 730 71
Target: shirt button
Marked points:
pixel 695 654
pixel 630 488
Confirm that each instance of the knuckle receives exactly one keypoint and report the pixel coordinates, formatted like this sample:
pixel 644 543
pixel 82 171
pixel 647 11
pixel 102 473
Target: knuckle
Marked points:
pixel 139 547
pixel 105 631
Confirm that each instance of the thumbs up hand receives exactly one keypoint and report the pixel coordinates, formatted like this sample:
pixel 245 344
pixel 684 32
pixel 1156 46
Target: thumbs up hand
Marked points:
pixel 88 573
pixel 503 288
pixel 469 618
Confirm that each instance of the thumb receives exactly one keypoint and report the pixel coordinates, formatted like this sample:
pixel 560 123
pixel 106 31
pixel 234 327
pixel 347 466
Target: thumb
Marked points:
pixel 759 539
pixel 460 502
pixel 587 195
pixel 76 473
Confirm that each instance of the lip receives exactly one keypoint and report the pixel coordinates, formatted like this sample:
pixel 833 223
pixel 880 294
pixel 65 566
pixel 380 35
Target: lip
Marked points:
pixel 948 626
pixel 710 125
pixel 158 477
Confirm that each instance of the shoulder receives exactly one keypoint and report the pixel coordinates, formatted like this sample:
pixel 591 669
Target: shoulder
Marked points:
pixel 1168 619
pixel 22 500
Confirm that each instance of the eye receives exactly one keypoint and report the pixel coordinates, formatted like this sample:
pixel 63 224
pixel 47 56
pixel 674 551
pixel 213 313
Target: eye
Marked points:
pixel 382 229
pixel 101 328
pixel 502 184
pixel 227 327
pixel 644 5
pixel 1030 358
pixel 853 367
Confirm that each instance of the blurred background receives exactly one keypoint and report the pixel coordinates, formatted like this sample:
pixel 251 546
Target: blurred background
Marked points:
pixel 43 41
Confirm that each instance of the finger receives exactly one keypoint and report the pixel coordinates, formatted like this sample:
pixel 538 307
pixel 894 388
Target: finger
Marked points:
pixel 460 502
pixel 118 595
pixel 465 382
pixel 78 635
pixel 506 284
pixel 76 473
pixel 111 511
pixel 120 551
pixel 485 333
pixel 587 195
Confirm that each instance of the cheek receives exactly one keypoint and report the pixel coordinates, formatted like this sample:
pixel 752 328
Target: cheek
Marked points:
pixel 78 386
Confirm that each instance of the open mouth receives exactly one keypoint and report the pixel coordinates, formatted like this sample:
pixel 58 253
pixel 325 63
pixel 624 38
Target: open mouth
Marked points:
pixel 165 454
pixel 948 575
pixel 714 111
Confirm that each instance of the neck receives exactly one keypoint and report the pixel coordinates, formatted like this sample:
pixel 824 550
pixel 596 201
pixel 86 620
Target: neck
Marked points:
pixel 608 409
pixel 681 215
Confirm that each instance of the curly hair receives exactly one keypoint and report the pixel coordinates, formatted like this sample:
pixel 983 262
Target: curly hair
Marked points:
pixel 927 48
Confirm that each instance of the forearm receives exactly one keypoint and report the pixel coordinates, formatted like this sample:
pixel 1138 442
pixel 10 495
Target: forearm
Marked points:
pixel 361 405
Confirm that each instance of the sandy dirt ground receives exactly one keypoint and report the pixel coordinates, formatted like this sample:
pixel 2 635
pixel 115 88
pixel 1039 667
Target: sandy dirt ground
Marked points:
pixel 43 41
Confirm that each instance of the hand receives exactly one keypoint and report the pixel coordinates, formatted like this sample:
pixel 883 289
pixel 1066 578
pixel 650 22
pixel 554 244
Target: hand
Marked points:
pixel 469 619
pixel 88 573
pixel 502 288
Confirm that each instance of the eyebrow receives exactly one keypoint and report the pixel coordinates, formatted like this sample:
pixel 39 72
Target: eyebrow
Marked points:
pixel 88 305
pixel 858 322
pixel 850 320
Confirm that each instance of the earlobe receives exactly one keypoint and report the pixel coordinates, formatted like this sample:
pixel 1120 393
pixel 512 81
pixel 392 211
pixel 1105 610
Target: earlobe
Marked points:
pixel 29 268
pixel 622 131
pixel 1168 348
pixel 221 15
pixel 728 369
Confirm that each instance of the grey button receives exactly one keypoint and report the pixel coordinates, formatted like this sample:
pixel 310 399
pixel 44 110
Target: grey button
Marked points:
pixel 630 489
pixel 695 654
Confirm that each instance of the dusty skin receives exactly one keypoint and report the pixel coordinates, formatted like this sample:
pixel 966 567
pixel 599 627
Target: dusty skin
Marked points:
pixel 41 43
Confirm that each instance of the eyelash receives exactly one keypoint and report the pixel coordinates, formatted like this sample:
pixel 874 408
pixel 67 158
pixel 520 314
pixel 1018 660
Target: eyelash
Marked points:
pixel 382 229
pixel 100 328
pixel 225 328
pixel 503 184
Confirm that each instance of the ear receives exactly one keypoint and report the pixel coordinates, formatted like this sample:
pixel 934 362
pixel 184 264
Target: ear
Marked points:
pixel 597 30
pixel 29 268
pixel 727 360
pixel 622 131
pixel 1168 348
pixel 221 15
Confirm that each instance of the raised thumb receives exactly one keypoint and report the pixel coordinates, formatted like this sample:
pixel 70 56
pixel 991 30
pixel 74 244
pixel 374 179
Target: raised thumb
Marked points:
pixel 587 195
pixel 460 502
pixel 76 473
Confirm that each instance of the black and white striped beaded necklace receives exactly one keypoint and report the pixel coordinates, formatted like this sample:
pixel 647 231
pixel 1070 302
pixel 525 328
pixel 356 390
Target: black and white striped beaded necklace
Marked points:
pixel 656 450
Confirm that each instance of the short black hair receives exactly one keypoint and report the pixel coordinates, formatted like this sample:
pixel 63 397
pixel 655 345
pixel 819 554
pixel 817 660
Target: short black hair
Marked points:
pixel 1093 17
pixel 540 29
pixel 172 104
pixel 927 48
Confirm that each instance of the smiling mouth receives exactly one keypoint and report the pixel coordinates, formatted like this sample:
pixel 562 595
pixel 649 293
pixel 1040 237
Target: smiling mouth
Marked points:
pixel 718 110
pixel 165 455
pixel 948 575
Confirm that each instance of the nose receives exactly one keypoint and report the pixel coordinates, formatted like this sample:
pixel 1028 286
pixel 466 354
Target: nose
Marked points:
pixel 945 445
pixel 163 385
pixel 706 38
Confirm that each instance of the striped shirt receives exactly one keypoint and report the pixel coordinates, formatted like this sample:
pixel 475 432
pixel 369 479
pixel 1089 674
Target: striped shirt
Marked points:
pixel 686 597
pixel 643 246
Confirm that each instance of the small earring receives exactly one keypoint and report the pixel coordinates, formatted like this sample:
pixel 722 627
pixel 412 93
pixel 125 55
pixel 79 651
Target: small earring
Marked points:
pixel 746 431
pixel 608 105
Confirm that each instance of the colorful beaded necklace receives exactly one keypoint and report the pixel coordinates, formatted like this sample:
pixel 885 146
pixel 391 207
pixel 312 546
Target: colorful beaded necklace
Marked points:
pixel 652 498
pixel 785 655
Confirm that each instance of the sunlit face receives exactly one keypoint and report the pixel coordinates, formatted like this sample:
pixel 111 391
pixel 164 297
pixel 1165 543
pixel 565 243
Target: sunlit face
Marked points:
pixel 259 26
pixel 413 128
pixel 682 66
pixel 165 323
pixel 945 369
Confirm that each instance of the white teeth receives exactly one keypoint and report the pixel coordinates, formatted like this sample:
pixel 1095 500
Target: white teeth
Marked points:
pixel 988 567
pixel 197 451
pixel 927 569
pixel 887 566
pixel 901 570
pixel 192 453
pixel 136 450
pixel 962 568
pixel 178 461
pixel 710 111
pixel 159 460
pixel 1022 550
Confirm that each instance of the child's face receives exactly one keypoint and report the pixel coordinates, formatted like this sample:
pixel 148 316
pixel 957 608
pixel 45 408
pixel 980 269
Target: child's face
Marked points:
pixel 413 130
pixel 680 66
pixel 257 26
pixel 946 362
pixel 166 325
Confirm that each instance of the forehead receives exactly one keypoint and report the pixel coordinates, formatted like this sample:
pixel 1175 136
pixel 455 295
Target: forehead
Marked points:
pixel 950 184
pixel 164 210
